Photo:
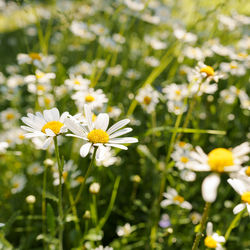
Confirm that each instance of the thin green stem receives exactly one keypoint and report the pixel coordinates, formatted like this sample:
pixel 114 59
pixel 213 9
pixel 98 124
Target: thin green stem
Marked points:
pixel 60 206
pixel 78 196
pixel 44 205
pixel 234 224
pixel 93 209
pixel 202 226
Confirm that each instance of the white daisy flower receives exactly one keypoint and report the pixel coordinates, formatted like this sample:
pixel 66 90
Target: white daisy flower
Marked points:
pixel 77 82
pixel 114 112
pixel 97 135
pixel 35 169
pixel 114 71
pixel 234 68
pixel 176 107
pixel 46 101
pixel 175 92
pixel 207 72
pixel 152 61
pixel 184 36
pixel 218 161
pixel 243 174
pixel 109 159
pixel 124 230
pixel 243 189
pixel 8 117
pixel 40 77
pixel 148 98
pixel 213 240
pixel 95 98
pixel 172 197
pixel 3 146
pixel 49 124
pixel 14 81
pixel 37 59
pixel 135 5
pixel 228 96
pixel 193 53
pixel 18 183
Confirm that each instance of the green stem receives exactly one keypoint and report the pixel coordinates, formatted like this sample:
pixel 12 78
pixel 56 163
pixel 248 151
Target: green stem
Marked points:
pixel 93 209
pixel 60 206
pixel 78 196
pixel 44 205
pixel 202 226
pixel 234 224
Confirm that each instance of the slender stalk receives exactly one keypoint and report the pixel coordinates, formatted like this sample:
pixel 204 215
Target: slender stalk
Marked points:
pixel 60 206
pixel 78 196
pixel 202 226
pixel 44 205
pixel 93 209
pixel 233 224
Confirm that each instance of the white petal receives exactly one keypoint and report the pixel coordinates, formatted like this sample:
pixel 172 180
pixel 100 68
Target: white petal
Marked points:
pixel 100 153
pixel 120 132
pixel 102 121
pixel 84 150
pixel 47 143
pixel 75 128
pixel 35 134
pixel 209 228
pixel 49 132
pixel 124 140
pixel 88 116
pixel 48 115
pixel 186 205
pixel 55 114
pixel 117 126
pixel 209 187
pixel 166 203
pixel 239 208
pixel 31 123
pixel 248 208
pixel 116 146
pixel 237 185
pixel 29 129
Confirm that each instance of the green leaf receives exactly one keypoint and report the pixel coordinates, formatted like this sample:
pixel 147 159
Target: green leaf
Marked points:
pixel 51 220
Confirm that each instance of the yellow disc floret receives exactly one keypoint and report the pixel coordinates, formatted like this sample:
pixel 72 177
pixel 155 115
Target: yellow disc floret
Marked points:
pixel 178 198
pixel 248 171
pixel 208 70
pixel 245 197
pixel 35 56
pixel 76 82
pixel 220 158
pixel 210 242
pixel 55 126
pixel 98 136
pixel 89 98
pixel 184 159
pixel 147 100
pixel 10 116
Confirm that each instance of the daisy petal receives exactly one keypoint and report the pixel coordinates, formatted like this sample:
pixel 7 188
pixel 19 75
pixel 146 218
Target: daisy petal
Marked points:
pixel 100 153
pixel 84 150
pixel 102 121
pixel 117 126
pixel 124 140
pixel 47 143
pixel 120 132
pixel 239 208
pixel 209 187
pixel 116 146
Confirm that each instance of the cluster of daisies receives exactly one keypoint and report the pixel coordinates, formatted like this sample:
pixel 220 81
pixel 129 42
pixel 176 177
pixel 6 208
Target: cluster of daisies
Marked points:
pixel 94 133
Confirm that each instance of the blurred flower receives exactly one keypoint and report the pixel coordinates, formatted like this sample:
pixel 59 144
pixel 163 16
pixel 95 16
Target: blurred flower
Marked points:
pixel 234 68
pixel 213 240
pixel 148 98
pixel 135 5
pixel 172 197
pixel 195 217
pixel 30 199
pixel 243 189
pixel 219 160
pixel 97 135
pixel 8 117
pixel 152 61
pixel 48 124
pixel 35 169
pixel 3 146
pixel 114 112
pixel 101 247
pixel 77 82
pixel 114 71
pixel 18 183
pixel 165 221
pixel 95 98
pixel 124 230
pixel 94 188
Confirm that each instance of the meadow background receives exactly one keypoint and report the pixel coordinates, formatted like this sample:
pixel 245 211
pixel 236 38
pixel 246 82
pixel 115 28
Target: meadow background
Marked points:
pixel 120 47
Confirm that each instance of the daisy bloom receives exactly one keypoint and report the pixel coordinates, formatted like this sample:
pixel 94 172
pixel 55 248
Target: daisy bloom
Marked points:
pixel 243 189
pixel 175 92
pixel 234 68
pixel 172 197
pixel 18 183
pixel 207 72
pixel 95 98
pixel 40 77
pixel 124 230
pixel 148 98
pixel 213 240
pixel 49 124
pixel 97 135
pixel 77 82
pixel 218 161
pixel 8 117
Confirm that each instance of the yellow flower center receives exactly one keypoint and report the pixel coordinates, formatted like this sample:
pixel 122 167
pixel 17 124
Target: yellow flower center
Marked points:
pixel 182 144
pixel 220 158
pixel 248 171
pixel 40 75
pixel 243 55
pixel 179 198
pixel 21 136
pixel 98 136
pixel 147 100
pixel 233 66
pixel 89 98
pixel 35 56
pixel 245 197
pixel 47 101
pixel 80 179
pixel 77 82
pixel 40 87
pixel 65 175
pixel 10 116
pixel 177 92
pixel 184 159
pixel 210 242
pixel 16 185
pixel 55 126
pixel 208 70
